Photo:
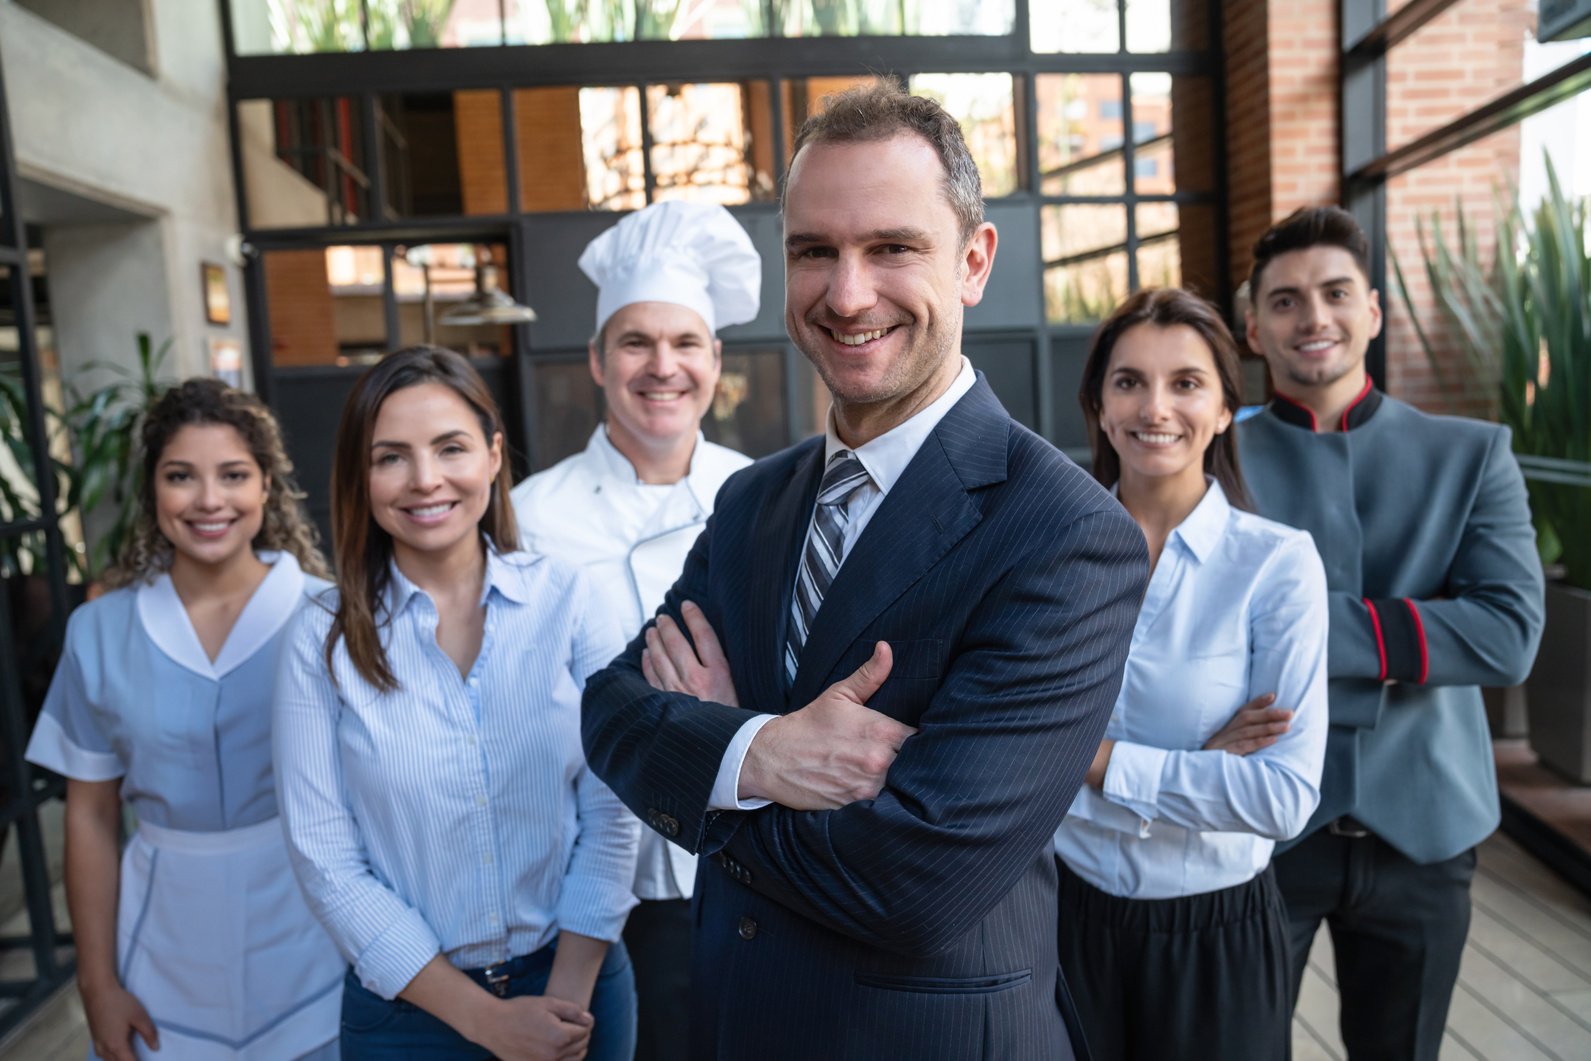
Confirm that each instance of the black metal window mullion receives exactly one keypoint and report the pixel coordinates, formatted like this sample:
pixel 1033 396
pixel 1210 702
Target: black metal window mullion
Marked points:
pixel 370 146
pixel 1129 156
pixel 389 300
pixel 510 135
pixel 648 177
pixel 22 807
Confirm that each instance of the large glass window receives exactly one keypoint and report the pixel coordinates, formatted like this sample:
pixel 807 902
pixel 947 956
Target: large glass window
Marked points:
pixel 984 106
pixel 1093 124
pixel 1115 148
pixel 1467 56
pixel 283 27
pixel 704 146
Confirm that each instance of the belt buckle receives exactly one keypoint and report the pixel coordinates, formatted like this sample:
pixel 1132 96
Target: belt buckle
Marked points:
pixel 496 977
pixel 1345 826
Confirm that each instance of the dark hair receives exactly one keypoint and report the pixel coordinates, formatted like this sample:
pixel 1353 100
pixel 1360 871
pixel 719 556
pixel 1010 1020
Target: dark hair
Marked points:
pixel 1309 226
pixel 198 402
pixel 1165 307
pixel 883 110
pixel 363 549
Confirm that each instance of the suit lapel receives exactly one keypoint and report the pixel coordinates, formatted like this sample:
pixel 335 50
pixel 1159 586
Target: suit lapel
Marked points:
pixel 926 512
pixel 776 543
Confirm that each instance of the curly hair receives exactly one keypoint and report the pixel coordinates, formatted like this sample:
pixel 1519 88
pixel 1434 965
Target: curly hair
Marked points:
pixel 200 401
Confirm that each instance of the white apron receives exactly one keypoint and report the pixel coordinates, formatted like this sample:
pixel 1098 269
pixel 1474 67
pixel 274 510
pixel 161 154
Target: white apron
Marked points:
pixel 214 938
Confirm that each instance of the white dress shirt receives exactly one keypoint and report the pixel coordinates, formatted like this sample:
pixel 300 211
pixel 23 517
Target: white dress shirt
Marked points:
pixel 1236 607
pixel 885 458
pixel 455 814
pixel 631 539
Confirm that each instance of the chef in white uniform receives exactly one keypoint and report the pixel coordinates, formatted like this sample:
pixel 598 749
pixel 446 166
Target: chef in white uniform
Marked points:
pixel 629 506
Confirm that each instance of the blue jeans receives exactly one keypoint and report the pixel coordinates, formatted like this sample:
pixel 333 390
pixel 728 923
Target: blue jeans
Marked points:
pixel 374 1029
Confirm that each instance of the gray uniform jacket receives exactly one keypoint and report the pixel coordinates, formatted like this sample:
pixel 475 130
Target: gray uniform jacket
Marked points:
pixel 1435 589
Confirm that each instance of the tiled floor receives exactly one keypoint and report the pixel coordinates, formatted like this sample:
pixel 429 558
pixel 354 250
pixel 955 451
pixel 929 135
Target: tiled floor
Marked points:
pixel 1524 992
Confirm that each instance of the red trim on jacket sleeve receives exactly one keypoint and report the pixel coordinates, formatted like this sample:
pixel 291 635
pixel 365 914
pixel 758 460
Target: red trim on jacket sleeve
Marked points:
pixel 1419 628
pixel 1381 644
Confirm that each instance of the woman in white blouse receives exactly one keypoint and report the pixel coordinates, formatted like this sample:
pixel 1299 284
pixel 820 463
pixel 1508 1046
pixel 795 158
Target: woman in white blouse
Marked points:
pixel 439 812
pixel 1173 937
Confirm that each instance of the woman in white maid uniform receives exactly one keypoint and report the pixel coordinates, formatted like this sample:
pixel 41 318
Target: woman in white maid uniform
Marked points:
pixel 200 945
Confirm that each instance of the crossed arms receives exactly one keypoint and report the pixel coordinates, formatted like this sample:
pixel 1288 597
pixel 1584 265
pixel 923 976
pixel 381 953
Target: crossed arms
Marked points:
pixel 999 750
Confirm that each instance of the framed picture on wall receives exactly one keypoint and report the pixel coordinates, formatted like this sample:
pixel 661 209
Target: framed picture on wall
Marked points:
pixel 217 300
pixel 226 360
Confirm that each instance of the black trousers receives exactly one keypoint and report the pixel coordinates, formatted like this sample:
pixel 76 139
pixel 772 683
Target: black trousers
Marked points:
pixel 658 937
pixel 1397 934
pixel 1197 977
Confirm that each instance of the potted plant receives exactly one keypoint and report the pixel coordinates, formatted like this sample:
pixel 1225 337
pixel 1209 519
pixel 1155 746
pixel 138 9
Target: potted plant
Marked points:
pixel 1524 320
pixel 100 482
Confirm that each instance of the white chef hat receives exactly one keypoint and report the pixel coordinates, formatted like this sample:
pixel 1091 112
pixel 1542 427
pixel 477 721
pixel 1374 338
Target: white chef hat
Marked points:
pixel 692 254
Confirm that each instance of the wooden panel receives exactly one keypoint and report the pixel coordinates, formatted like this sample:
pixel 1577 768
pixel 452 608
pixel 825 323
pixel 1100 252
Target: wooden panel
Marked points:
pixel 552 168
pixel 303 325
pixel 478 125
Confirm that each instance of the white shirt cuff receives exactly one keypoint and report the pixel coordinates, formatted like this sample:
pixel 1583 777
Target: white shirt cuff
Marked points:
pixel 726 786
pixel 1132 780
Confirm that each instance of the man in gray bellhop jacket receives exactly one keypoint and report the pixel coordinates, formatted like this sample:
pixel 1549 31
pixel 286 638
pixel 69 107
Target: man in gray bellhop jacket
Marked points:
pixel 1435 589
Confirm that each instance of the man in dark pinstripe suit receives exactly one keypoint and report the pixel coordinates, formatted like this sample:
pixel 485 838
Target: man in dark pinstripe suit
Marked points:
pixel 918 658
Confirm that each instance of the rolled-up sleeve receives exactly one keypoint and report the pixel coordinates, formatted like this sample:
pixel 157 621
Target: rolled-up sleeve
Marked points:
pixel 386 939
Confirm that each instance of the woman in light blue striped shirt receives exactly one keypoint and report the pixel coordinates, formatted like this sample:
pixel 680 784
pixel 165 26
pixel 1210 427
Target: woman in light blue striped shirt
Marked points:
pixel 439 811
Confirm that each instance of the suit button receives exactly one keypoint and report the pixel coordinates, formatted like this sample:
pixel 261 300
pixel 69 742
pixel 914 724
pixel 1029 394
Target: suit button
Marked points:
pixel 670 825
pixel 748 928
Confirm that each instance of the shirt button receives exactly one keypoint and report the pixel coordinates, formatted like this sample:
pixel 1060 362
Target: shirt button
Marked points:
pixel 486 860
pixel 748 928
pixel 480 801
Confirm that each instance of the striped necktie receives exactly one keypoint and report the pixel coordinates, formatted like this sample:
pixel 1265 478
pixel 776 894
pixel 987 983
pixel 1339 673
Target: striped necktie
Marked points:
pixel 824 550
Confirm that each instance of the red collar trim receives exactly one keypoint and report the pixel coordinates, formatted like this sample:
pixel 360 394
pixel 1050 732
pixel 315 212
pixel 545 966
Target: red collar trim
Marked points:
pixel 1294 412
pixel 1359 411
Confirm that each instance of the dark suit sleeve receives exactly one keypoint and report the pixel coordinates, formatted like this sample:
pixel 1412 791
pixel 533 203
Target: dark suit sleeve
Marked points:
pixel 1000 752
pixel 1485 629
pixel 658 751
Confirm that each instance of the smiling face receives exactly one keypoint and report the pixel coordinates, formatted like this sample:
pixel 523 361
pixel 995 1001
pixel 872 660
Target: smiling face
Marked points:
pixel 1162 403
pixel 658 374
pixel 1313 318
pixel 431 471
pixel 876 272
pixel 209 494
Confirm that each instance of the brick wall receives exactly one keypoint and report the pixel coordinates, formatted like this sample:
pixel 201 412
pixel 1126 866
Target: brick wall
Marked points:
pixel 1281 98
pixel 1468 55
pixel 1283 148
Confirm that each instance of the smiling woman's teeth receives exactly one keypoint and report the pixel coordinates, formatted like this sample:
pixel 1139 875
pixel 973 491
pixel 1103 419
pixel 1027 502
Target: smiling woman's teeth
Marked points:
pixel 1154 439
pixel 430 510
pixel 211 528
pixel 860 337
